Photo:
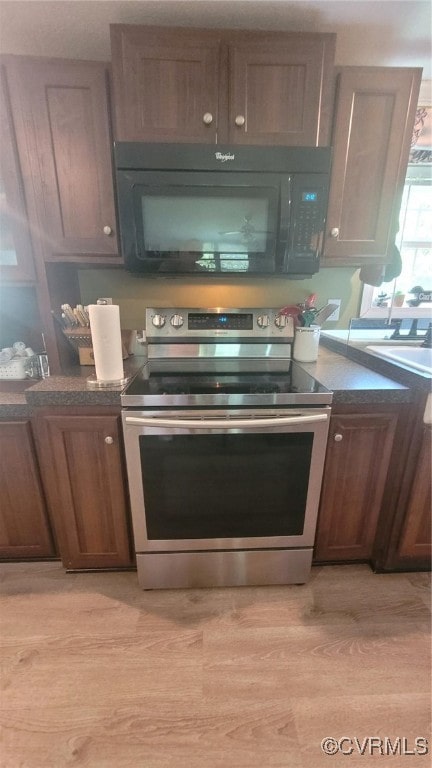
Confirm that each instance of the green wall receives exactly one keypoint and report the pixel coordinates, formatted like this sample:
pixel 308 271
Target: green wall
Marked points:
pixel 134 294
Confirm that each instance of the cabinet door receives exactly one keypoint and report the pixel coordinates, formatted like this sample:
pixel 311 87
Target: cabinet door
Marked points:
pixel 65 146
pixel 416 535
pixel 280 89
pixel 16 257
pixel 355 475
pixel 372 132
pixel 83 475
pixel 165 84
pixel 24 530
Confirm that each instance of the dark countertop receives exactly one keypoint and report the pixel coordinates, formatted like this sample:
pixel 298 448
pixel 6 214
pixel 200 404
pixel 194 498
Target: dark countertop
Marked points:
pixel 408 377
pixel 70 389
pixel 13 406
pixel 350 381
pixel 353 383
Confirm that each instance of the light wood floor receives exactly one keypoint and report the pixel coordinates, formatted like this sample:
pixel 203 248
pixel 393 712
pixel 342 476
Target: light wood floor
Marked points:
pixel 97 673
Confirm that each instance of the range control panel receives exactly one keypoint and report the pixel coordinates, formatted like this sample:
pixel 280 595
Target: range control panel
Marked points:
pixel 211 321
pixel 181 324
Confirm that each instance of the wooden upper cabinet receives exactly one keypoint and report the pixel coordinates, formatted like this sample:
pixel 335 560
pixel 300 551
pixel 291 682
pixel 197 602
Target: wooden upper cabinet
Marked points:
pixel 65 149
pixel 82 469
pixel 280 89
pixel 355 475
pixel 166 84
pixel 16 254
pixel 24 529
pixel 373 126
pixel 241 87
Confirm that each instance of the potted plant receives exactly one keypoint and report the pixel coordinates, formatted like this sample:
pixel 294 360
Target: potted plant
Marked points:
pixel 398 299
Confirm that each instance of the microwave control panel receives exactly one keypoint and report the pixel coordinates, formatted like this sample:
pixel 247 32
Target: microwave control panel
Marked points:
pixel 308 221
pixel 308 217
pixel 308 210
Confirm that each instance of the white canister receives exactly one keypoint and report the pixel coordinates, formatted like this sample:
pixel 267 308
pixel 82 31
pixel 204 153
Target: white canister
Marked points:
pixel 306 341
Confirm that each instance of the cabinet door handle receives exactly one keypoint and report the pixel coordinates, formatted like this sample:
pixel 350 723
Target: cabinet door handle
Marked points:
pixel 334 232
pixel 107 230
pixel 109 440
pixel 207 118
pixel 240 120
pixel 338 437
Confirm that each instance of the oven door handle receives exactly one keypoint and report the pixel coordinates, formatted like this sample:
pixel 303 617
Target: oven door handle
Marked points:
pixel 238 423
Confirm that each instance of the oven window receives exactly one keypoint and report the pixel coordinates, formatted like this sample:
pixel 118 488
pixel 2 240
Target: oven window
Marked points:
pixel 224 486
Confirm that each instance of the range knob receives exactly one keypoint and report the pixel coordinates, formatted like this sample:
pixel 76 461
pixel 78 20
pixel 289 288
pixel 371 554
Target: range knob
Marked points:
pixel 158 321
pixel 263 321
pixel 280 321
pixel 177 321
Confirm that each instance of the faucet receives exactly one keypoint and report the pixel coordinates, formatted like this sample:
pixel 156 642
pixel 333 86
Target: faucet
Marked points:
pixel 428 338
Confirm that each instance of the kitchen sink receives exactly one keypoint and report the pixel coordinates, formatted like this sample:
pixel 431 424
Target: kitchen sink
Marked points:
pixel 415 357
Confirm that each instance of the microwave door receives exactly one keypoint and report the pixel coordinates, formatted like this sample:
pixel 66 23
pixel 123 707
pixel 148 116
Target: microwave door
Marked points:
pixel 202 222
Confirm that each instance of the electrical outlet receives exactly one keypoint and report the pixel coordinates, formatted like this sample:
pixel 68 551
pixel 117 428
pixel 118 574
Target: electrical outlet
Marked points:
pixel 335 314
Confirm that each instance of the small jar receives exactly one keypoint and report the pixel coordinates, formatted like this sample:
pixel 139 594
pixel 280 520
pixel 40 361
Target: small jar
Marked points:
pixel 306 342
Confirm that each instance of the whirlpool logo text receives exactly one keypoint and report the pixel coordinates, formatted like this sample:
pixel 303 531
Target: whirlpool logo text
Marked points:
pixel 224 157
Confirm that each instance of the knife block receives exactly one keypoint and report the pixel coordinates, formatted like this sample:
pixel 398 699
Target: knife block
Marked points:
pixel 80 339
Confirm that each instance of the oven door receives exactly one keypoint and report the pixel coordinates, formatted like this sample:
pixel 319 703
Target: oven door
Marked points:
pixel 206 480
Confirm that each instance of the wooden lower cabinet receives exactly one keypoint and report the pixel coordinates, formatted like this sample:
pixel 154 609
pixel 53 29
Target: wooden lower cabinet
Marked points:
pixel 24 527
pixel 83 473
pixel 355 475
pixel 415 541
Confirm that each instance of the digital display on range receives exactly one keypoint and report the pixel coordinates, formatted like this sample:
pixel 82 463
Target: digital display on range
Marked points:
pixel 211 321
pixel 309 197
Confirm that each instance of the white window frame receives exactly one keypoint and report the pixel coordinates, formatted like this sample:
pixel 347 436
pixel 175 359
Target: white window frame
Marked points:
pixel 367 310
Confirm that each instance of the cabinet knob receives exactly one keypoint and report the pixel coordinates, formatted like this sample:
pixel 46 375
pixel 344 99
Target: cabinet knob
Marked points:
pixel 334 232
pixel 240 120
pixel 338 437
pixel 207 118
pixel 109 440
pixel 107 230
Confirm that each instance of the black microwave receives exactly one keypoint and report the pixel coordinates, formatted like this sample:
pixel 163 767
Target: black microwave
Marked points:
pixel 187 209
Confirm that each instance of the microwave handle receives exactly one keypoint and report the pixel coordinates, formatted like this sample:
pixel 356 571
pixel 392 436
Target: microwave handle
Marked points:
pixel 238 423
pixel 284 221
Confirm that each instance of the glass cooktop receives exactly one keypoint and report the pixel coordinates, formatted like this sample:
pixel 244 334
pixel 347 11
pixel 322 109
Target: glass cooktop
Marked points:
pixel 167 383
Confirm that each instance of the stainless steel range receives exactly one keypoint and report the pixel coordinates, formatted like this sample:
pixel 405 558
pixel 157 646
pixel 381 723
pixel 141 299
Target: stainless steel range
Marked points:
pixel 225 443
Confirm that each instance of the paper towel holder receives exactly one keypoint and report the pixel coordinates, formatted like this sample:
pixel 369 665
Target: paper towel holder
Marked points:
pixel 92 381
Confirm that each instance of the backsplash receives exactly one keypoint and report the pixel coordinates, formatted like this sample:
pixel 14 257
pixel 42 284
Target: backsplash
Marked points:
pixel 134 294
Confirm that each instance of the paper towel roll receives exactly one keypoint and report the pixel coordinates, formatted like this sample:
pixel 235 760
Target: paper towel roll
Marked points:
pixel 106 341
